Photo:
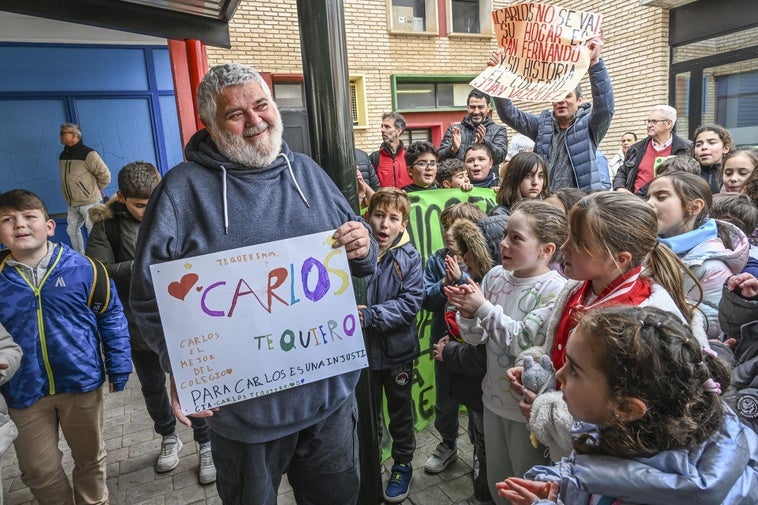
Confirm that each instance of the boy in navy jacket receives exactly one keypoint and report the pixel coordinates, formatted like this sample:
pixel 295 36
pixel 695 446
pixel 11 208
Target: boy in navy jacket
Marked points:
pixel 394 296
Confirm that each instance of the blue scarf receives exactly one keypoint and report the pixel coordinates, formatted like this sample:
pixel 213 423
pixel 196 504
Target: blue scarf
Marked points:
pixel 681 244
pixel 488 181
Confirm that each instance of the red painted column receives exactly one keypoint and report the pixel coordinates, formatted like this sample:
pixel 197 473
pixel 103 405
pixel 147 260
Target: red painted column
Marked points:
pixel 197 62
pixel 188 66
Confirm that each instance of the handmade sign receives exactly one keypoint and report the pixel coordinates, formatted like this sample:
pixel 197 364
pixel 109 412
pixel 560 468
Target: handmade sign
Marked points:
pixel 252 321
pixel 544 52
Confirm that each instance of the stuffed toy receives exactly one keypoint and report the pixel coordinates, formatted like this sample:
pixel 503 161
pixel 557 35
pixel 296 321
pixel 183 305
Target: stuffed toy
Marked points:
pixel 550 422
pixel 538 377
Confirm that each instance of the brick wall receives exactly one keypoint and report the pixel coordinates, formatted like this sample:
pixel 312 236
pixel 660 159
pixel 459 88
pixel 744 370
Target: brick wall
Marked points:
pixel 265 35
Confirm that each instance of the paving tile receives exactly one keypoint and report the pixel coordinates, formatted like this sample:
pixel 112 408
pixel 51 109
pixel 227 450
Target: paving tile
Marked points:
pixel 133 446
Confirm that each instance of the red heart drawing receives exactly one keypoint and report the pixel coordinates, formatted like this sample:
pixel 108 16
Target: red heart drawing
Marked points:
pixel 180 289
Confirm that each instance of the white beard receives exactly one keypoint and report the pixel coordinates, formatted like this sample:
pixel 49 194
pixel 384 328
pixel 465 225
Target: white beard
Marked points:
pixel 261 153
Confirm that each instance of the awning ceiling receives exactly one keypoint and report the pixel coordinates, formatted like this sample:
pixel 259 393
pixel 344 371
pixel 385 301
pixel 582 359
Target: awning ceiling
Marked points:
pixel 172 19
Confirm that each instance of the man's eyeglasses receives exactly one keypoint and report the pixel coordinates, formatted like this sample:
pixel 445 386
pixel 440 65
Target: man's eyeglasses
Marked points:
pixel 655 121
pixel 65 133
pixel 423 165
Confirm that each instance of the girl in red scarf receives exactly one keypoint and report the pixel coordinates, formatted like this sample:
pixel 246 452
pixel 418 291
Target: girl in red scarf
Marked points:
pixel 611 236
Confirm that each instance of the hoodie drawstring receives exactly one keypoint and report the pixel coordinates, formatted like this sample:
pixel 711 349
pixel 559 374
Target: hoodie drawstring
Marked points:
pixel 223 187
pixel 226 210
pixel 292 175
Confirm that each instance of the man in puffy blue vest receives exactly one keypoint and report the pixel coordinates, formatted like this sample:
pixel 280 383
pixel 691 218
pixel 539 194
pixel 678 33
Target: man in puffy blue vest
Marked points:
pixel 568 135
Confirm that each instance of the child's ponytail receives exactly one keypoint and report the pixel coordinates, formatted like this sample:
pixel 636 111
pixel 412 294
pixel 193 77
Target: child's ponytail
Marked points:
pixel 668 270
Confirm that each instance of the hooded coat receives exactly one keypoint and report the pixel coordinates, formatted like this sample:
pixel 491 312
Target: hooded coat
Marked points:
pixel 210 204
pixel 739 320
pixel 83 175
pixel 118 263
pixel 722 470
pixel 712 262
pixel 393 295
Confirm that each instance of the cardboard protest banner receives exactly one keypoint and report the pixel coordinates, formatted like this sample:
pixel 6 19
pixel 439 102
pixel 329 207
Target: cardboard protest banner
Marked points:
pixel 256 320
pixel 543 52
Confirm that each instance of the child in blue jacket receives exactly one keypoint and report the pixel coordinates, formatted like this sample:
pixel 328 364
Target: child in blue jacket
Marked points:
pixel 393 296
pixel 45 307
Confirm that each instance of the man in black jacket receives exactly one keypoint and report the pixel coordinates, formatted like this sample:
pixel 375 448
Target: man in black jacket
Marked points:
pixel 477 127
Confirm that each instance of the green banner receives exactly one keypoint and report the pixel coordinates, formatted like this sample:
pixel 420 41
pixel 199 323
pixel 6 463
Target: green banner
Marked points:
pixel 425 229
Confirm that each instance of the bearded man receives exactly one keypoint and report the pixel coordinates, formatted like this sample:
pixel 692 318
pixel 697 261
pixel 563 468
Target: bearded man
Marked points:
pixel 389 160
pixel 241 186
pixel 477 127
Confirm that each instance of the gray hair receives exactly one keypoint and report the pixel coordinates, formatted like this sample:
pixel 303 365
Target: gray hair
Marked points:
pixel 220 77
pixel 75 127
pixel 667 111
pixel 397 119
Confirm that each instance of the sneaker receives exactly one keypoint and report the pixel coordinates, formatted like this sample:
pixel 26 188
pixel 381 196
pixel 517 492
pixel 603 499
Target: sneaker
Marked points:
pixel 441 458
pixel 169 457
pixel 400 483
pixel 206 471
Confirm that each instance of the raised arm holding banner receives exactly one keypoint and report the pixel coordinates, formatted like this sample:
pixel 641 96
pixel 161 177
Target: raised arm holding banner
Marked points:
pixel 543 52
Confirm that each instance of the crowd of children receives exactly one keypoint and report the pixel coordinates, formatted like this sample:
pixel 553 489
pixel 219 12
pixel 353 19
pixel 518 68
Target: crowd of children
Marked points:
pixel 599 283
pixel 646 308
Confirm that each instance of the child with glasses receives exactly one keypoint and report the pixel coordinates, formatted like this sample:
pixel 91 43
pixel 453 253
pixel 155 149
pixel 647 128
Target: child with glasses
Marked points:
pixel 421 159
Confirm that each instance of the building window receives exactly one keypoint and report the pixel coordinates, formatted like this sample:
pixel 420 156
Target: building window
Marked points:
pixel 358 101
pixel 469 16
pixel 737 106
pixel 715 80
pixel 414 93
pixel 412 135
pixel 289 95
pixel 413 16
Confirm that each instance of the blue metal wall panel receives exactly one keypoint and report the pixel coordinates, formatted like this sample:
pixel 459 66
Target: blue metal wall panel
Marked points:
pixel 122 96
pixel 72 68
pixel 173 140
pixel 120 130
pixel 29 147
pixel 164 80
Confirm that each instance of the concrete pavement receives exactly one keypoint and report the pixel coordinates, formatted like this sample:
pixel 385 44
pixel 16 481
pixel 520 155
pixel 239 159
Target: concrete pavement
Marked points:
pixel 133 446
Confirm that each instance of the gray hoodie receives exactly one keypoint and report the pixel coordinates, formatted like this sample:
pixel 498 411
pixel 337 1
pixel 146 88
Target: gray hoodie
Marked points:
pixel 211 204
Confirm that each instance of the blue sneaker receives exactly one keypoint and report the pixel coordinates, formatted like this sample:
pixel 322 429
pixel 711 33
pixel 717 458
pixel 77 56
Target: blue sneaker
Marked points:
pixel 400 483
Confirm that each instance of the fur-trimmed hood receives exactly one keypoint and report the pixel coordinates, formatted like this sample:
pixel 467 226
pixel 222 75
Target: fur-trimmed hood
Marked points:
pixel 113 208
pixel 469 238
